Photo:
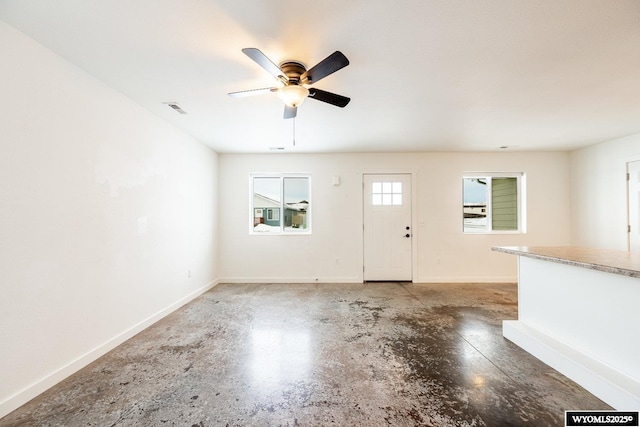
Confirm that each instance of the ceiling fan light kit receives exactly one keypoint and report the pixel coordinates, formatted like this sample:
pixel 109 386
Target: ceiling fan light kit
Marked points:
pixel 294 75
pixel 293 95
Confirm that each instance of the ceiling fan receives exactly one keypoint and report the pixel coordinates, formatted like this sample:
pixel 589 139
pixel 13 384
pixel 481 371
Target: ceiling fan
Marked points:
pixel 293 76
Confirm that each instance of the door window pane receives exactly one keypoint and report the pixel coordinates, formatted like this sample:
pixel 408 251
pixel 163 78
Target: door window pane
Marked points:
pixel 386 193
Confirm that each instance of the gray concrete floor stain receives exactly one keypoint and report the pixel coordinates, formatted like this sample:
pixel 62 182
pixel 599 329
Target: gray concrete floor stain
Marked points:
pixel 372 354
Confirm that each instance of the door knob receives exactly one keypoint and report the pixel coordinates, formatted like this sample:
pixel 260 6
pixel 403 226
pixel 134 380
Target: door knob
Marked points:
pixel 407 235
pixel 408 227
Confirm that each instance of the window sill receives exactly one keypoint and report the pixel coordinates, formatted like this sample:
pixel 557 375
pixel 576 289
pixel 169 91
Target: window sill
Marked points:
pixel 494 232
pixel 279 233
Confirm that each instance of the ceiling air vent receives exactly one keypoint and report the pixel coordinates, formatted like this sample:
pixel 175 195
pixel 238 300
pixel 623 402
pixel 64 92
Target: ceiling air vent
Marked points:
pixel 176 107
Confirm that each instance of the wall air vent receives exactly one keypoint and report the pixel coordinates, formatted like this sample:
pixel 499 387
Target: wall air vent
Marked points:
pixel 176 107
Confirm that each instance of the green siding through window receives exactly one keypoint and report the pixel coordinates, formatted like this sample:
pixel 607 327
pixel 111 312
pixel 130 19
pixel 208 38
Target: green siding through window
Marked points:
pixel 504 203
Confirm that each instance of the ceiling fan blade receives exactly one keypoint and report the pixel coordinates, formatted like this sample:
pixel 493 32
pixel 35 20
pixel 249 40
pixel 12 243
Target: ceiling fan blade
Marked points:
pixel 328 97
pixel 329 65
pixel 262 60
pixel 290 112
pixel 251 92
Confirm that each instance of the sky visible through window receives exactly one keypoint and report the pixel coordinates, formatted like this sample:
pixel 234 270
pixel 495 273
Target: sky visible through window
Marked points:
pixel 268 187
pixel 474 192
pixel 296 189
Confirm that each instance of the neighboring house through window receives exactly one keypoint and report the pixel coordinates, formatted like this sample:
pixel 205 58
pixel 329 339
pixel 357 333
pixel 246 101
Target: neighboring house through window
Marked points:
pixel 493 203
pixel 280 203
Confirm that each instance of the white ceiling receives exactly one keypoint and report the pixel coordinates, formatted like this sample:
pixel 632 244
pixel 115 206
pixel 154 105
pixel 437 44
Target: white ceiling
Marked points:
pixel 425 75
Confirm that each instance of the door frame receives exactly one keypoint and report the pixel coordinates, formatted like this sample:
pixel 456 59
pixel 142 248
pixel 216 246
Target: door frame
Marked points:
pixel 414 216
pixel 628 201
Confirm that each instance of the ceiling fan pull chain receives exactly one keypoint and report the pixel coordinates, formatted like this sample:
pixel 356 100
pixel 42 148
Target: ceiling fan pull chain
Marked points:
pixel 294 131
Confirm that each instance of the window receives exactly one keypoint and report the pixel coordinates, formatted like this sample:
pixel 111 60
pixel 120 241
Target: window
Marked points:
pixel 273 214
pixel 493 203
pixel 280 204
pixel 386 193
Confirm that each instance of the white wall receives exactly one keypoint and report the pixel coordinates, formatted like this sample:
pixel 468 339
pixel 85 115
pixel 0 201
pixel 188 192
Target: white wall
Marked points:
pixel 599 193
pixel 104 208
pixel 444 253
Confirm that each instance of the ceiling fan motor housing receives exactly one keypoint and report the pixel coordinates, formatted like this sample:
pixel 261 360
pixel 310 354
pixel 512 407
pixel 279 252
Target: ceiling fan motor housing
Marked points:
pixel 293 70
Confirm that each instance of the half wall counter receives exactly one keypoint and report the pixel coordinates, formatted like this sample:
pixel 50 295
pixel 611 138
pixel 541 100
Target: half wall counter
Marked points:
pixel 579 312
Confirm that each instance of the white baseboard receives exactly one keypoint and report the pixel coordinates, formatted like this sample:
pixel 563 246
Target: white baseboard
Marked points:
pixel 612 386
pixel 280 279
pixel 29 392
pixel 353 279
pixel 454 279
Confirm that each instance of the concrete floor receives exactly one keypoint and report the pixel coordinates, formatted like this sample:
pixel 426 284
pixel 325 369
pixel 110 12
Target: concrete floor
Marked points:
pixel 372 354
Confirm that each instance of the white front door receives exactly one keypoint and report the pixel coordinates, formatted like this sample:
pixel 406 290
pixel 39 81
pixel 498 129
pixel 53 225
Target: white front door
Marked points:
pixel 387 227
pixel 633 169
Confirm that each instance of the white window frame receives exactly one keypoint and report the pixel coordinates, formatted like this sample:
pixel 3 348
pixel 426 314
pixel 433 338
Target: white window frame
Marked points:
pixel 281 214
pixel 520 201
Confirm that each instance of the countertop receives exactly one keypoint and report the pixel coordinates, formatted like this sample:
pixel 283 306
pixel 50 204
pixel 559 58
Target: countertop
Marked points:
pixel 607 260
